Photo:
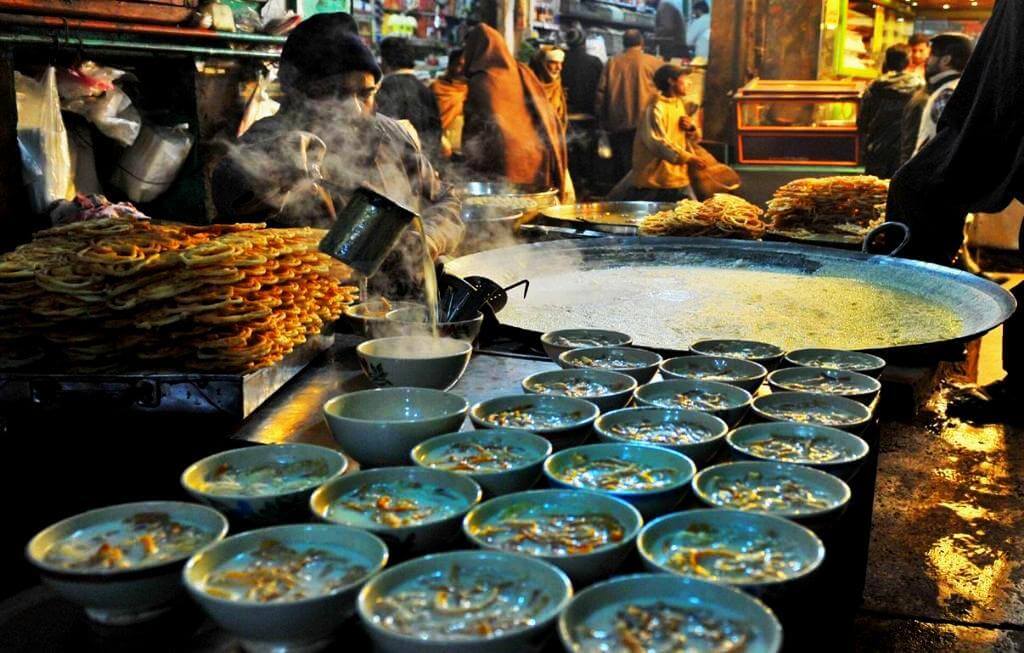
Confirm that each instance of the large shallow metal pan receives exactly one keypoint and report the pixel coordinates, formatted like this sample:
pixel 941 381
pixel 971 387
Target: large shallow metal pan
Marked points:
pixel 669 292
pixel 612 218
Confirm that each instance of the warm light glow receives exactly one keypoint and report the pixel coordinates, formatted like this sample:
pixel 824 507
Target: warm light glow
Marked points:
pixel 945 6
pixel 899 20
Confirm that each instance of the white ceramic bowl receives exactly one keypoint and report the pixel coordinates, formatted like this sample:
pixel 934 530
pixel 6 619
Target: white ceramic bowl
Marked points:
pixel 765 354
pixel 720 602
pixel 577 416
pixel 122 596
pixel 831 491
pixel 642 364
pixel 849 449
pixel 837 359
pixel 700 450
pixel 429 534
pixel 520 476
pixel 619 386
pixel 380 427
pixel 582 568
pixel 651 502
pixel 549 581
pixel 293 624
pixel 735 400
pixel 266 507
pixel 414 361
pixel 562 340
pixel 813 408
pixel 734 371
pixel 658 539
pixel 842 383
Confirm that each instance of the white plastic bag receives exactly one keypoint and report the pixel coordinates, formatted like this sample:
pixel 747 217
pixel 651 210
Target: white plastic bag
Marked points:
pixel 150 165
pixel 89 91
pixel 43 141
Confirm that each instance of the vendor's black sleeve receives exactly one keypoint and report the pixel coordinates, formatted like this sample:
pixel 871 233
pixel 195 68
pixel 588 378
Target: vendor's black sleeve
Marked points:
pixel 976 160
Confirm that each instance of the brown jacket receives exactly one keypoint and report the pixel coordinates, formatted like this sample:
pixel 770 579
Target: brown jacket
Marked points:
pixel 625 89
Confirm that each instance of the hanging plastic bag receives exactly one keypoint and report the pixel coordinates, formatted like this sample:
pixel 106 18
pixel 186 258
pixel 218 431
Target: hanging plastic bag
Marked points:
pixel 89 91
pixel 42 140
pixel 604 145
pixel 149 166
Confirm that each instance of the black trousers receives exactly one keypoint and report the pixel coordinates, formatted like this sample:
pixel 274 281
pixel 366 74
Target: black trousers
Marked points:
pixel 622 152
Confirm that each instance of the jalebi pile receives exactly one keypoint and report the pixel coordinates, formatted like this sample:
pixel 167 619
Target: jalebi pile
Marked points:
pixel 123 292
pixel 829 204
pixel 721 215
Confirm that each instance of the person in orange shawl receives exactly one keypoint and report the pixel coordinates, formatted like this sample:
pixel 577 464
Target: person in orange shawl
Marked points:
pixel 547 65
pixel 451 90
pixel 511 130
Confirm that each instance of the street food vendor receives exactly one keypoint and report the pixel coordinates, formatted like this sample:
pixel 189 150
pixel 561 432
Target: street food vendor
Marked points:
pixel 328 121
pixel 975 162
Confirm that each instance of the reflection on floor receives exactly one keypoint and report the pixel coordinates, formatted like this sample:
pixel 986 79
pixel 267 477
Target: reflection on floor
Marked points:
pixel 946 569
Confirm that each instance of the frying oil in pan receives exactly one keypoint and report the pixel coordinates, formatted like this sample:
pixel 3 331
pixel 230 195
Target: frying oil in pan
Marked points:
pixel 786 309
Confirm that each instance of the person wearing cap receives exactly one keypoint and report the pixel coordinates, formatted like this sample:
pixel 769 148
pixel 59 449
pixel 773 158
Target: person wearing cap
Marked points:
pixel 945 64
pixel 328 121
pixel 581 73
pixel 403 96
pixel 547 65
pixel 662 151
pixel 974 163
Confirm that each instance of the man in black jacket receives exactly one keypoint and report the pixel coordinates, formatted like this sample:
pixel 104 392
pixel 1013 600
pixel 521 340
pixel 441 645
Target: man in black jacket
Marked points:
pixel 403 96
pixel 949 55
pixel 975 162
pixel 581 73
pixel 880 112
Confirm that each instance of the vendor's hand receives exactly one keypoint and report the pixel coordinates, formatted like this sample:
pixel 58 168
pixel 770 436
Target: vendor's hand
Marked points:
pixel 698 163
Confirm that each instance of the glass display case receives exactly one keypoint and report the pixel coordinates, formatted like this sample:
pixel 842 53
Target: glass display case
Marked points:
pixel 798 122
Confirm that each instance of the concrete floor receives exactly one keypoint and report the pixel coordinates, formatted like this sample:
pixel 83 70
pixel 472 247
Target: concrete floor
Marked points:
pixel 946 566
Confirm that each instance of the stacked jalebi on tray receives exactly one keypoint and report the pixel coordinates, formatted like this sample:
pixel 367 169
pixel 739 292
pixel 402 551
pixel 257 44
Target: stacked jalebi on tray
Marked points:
pixel 850 205
pixel 128 293
pixel 721 215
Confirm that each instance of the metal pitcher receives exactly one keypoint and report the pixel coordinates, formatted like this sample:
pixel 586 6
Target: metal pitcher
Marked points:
pixel 366 230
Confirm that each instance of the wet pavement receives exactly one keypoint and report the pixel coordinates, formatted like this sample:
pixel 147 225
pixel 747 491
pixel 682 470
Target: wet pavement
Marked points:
pixel 946 561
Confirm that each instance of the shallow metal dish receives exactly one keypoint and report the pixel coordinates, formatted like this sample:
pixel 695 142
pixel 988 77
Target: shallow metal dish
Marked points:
pixel 613 218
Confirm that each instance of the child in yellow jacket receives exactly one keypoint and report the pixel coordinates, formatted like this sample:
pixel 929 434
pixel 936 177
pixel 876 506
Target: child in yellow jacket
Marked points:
pixel 661 151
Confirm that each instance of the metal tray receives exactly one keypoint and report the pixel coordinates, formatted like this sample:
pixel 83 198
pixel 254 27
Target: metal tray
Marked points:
pixel 605 218
pixel 232 396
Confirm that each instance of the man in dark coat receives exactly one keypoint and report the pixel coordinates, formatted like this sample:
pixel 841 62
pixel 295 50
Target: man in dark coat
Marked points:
pixel 880 112
pixel 581 73
pixel 975 162
pixel 403 96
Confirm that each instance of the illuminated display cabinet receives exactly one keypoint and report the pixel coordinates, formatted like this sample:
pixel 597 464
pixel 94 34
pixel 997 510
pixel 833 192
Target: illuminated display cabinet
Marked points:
pixel 798 122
